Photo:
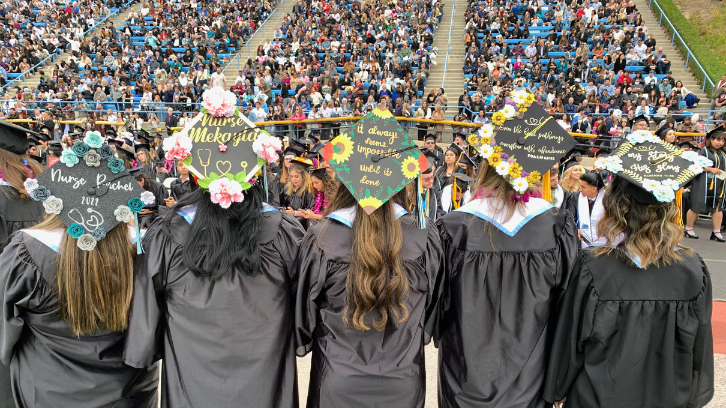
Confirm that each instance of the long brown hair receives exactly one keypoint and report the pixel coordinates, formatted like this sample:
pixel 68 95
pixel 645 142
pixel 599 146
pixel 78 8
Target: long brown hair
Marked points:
pixel 14 172
pixel 647 231
pixel 94 287
pixel 377 280
pixel 290 189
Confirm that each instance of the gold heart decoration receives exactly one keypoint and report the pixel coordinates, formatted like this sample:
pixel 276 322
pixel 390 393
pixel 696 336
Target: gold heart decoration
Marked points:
pixel 224 164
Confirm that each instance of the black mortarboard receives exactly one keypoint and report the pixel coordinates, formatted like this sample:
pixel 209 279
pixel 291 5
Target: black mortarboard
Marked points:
pixel 47 132
pixel 715 131
pixel 688 144
pixel 33 141
pixel 36 158
pixel 117 143
pixel 654 169
pixel 142 134
pixel 314 155
pixel 55 147
pixel 663 130
pixel 459 136
pixel 299 145
pixel 455 148
pixel 306 163
pixel 601 153
pixel 110 132
pixel 141 146
pixel 293 150
pixel 640 118
pixel 571 163
pixel 127 151
pixel 79 129
pixel 90 209
pixel 319 173
pixel 462 181
pixel 375 159
pixel 466 160
pixel 136 173
pixel 14 138
pixel 431 137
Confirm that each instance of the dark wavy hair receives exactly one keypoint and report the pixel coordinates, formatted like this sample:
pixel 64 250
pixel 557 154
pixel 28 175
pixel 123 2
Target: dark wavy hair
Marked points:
pixel 220 240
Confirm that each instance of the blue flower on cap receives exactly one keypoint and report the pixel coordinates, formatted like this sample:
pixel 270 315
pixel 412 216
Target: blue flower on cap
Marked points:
pixel 80 149
pixel 136 205
pixel 116 165
pixel 99 234
pixel 69 158
pixel 106 152
pixel 94 140
pixel 76 230
pixel 41 193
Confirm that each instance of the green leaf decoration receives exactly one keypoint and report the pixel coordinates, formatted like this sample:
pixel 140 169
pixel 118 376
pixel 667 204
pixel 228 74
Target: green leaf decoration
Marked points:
pixel 352 190
pixel 204 183
pixel 236 111
pixel 368 193
pixel 261 162
pixel 245 185
pixel 213 176
pixel 204 110
pixel 188 161
pixel 229 176
pixel 240 177
pixel 390 191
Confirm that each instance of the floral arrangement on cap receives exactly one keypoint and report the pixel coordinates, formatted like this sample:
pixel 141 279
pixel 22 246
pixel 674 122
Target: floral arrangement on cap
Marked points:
pixel 225 188
pixel 485 143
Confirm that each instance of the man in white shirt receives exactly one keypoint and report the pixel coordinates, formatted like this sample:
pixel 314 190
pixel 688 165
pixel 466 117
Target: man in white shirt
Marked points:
pixel 112 118
pixel 259 113
pixel 640 49
pixel 218 79
pixel 652 79
pixel 531 50
pixel 326 112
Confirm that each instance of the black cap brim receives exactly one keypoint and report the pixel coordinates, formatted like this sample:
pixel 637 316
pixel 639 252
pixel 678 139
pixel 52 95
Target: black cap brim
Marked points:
pixel 13 138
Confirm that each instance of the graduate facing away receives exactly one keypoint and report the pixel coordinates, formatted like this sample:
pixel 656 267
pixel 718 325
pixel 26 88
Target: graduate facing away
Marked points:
pixel 365 293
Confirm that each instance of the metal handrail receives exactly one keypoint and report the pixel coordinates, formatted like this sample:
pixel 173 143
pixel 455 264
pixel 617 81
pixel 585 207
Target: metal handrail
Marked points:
pixel 448 46
pixel 706 78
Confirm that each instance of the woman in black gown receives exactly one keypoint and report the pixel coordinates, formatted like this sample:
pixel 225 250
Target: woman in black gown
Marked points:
pixel 506 263
pixel 708 194
pixel 295 195
pixel 66 298
pixel 160 194
pixel 364 295
pixel 214 300
pixel 181 186
pixel 17 209
pixel 634 326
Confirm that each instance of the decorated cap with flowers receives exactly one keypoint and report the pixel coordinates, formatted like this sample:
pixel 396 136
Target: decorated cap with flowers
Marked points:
pixel 222 148
pixel 89 190
pixel 656 167
pixel 522 142
pixel 375 159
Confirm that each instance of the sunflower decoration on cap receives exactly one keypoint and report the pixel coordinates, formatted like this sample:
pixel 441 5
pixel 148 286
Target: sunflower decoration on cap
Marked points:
pixel 222 148
pixel 658 168
pixel 522 142
pixel 90 191
pixel 375 159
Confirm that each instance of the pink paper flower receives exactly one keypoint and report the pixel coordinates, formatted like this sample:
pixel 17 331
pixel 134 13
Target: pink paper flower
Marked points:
pixel 222 147
pixel 219 102
pixel 225 192
pixel 266 146
pixel 177 147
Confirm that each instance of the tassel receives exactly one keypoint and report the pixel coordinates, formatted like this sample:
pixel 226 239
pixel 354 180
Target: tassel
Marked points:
pixel 546 188
pixel 139 248
pixel 419 204
pixel 679 203
pixel 454 190
pixel 264 183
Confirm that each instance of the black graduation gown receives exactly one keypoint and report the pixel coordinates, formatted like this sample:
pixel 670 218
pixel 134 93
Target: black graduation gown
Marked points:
pixel 50 366
pixel 304 202
pixel 708 191
pixel 147 171
pixel 227 343
pixel 161 194
pixel 352 368
pixel 495 317
pixel 180 188
pixel 631 337
pixel 15 214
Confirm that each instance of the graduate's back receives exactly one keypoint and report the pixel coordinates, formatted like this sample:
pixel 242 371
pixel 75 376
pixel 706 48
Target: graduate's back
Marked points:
pixel 359 359
pixel 503 279
pixel 226 339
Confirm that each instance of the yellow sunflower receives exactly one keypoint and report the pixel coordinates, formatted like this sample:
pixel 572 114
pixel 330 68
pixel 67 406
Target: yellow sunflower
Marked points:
pixel 494 159
pixel 529 99
pixel 370 204
pixel 382 113
pixel 498 118
pixel 485 140
pixel 409 167
pixel 497 149
pixel 515 170
pixel 342 148
pixel 533 177
pixel 472 139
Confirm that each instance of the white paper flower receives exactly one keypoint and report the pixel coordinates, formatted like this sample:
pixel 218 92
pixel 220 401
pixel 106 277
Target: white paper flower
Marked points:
pixel 123 214
pixel 486 151
pixel 86 242
pixel 503 169
pixel 509 111
pixel 690 155
pixel 30 185
pixel 92 159
pixel 486 130
pixel 613 164
pixel 518 97
pixel 94 140
pixel 650 185
pixel 696 169
pixel 652 138
pixel 664 194
pixel 670 183
pixel 703 161
pixel 148 198
pixel 635 138
pixel 520 184
pixel 219 102
pixel 53 205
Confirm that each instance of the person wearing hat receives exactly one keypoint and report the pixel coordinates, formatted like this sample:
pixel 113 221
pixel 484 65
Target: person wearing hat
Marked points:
pixel 571 176
pixel 667 134
pixel 640 122
pixel 367 282
pixel 430 191
pixel 66 288
pixel 214 293
pixel 452 155
pixel 508 253
pixel 144 161
pixel 586 206
pixel 180 186
pixel 456 194
pixel 296 193
pixel 430 145
pixel 707 195
pixel 637 309
pixel 288 155
pixel 160 194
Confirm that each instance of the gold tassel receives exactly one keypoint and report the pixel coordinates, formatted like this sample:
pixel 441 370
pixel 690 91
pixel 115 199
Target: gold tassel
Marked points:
pixel 679 203
pixel 454 189
pixel 546 188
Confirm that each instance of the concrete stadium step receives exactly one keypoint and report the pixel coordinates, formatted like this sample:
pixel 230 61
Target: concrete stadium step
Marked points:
pixel 678 62
pixel 449 76
pixel 264 33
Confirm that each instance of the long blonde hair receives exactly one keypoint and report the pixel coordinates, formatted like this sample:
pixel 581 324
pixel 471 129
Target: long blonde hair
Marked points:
pixel 377 280
pixel 304 187
pixel 14 172
pixel 567 183
pixel 94 287
pixel 647 231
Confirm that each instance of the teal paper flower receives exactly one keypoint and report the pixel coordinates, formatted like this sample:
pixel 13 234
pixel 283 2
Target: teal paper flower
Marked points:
pixel 116 165
pixel 94 140
pixel 76 230
pixel 69 158
pixel 106 152
pixel 136 205
pixel 80 149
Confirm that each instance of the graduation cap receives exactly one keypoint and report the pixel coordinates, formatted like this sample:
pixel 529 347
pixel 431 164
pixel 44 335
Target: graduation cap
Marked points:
pixel 14 138
pixel 314 155
pixel 55 147
pixel 462 181
pixel 717 131
pixel 115 142
pixel 46 133
pixel 455 148
pixel 640 118
pixel 293 150
pixel 525 143
pixel 571 163
pixel 300 145
pixel 90 192
pixel 688 144
pixel 36 158
pixel 142 134
pixel 466 160
pixel 663 130
pixel 430 137
pixel 130 154
pixel 33 140
pixel 431 160
pixel 136 173
pixel 319 173
pixel 141 146
pixel 110 133
pixel 79 129
pixel 375 159
pixel 306 163
pixel 654 169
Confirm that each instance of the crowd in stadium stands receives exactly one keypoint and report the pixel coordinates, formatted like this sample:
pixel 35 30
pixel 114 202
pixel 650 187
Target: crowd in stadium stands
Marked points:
pixel 593 64
pixel 31 31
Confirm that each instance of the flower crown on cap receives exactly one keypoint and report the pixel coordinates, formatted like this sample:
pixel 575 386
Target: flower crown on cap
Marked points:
pixel 224 189
pixel 483 140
